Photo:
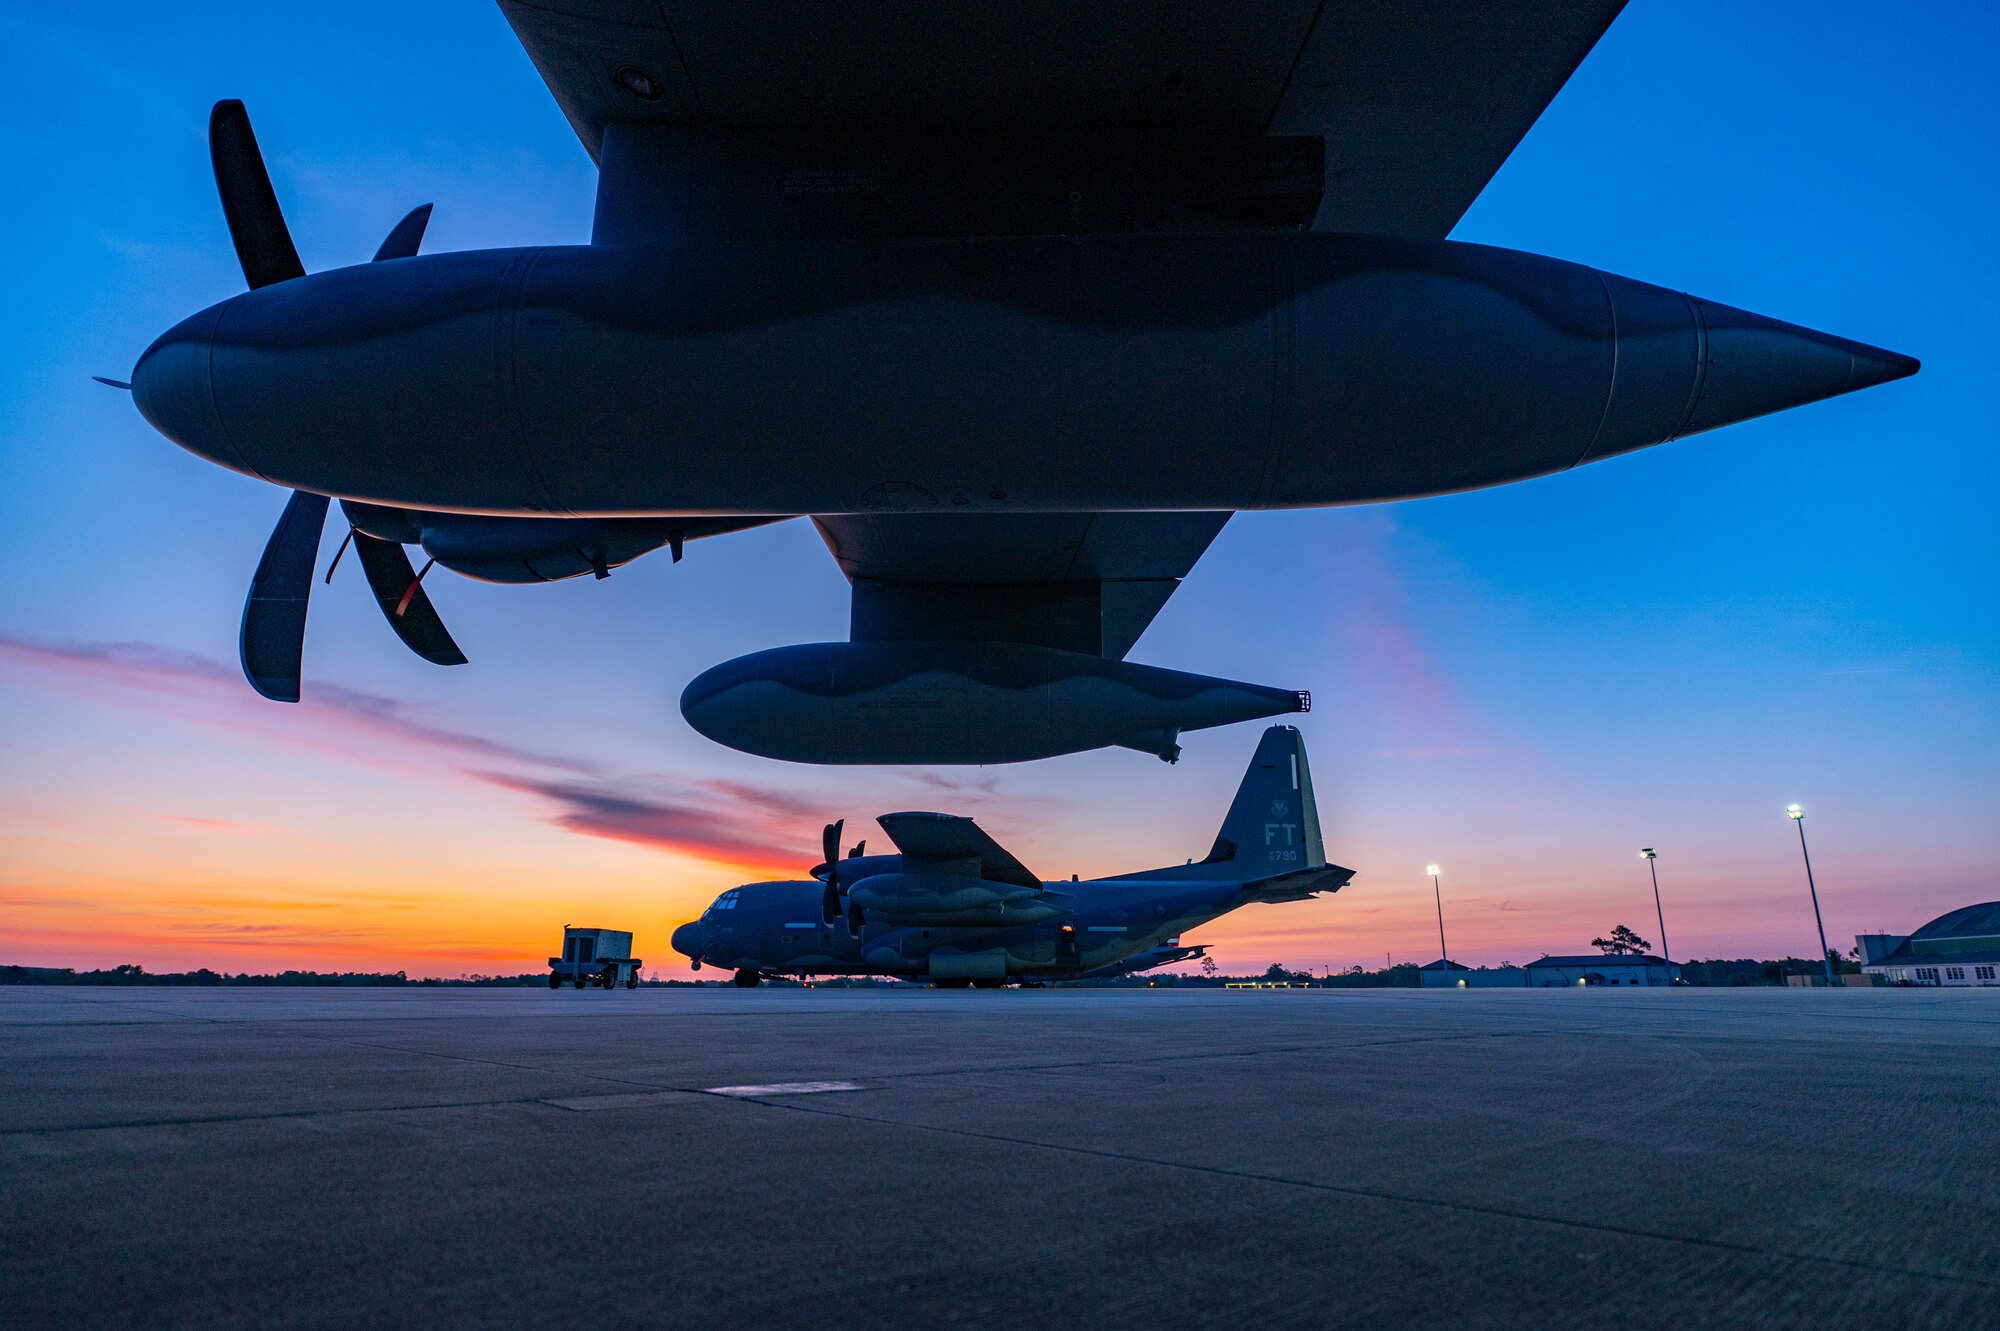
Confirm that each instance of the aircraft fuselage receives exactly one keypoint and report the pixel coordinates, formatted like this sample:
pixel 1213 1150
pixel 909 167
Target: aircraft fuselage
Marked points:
pixel 776 928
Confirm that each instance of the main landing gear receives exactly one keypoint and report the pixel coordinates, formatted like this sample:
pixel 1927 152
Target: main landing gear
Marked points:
pixel 748 979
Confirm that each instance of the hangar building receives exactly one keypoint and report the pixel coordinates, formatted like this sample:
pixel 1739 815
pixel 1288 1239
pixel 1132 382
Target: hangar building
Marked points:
pixel 1636 968
pixel 1553 972
pixel 1960 947
pixel 1454 975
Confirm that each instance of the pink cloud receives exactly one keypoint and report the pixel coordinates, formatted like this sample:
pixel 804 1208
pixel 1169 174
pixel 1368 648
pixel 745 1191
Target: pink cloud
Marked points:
pixel 1442 751
pixel 147 671
pixel 707 821
pixel 220 825
pixel 726 822
pixel 1378 627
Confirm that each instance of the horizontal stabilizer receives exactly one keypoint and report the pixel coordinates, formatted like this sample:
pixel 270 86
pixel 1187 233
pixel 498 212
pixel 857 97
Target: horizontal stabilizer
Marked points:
pixel 1305 883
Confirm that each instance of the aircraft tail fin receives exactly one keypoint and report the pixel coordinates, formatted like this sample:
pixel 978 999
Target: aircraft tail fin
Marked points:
pixel 1273 823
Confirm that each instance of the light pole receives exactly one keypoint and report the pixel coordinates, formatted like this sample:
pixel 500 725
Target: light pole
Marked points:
pixel 1438 892
pixel 1798 816
pixel 1666 953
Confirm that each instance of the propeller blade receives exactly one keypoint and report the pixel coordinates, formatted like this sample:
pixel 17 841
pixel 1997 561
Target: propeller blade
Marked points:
pixel 249 204
pixel 406 236
pixel 112 383
pixel 395 585
pixel 272 640
pixel 829 844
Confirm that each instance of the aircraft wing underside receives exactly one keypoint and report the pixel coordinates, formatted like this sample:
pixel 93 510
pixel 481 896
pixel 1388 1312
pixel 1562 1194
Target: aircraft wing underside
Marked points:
pixel 1418 101
pixel 1079 582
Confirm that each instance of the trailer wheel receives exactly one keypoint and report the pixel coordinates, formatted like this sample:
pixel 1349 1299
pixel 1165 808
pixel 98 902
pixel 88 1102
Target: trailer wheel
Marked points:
pixel 579 981
pixel 555 979
pixel 632 980
pixel 607 980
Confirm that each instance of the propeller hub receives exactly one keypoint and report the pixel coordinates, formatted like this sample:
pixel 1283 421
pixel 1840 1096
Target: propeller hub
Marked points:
pixel 174 391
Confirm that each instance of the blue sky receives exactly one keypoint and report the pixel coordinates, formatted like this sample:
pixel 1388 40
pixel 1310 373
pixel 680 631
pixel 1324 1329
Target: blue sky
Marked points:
pixel 1523 684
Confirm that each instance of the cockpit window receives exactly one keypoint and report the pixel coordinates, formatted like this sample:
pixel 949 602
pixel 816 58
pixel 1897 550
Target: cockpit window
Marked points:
pixel 727 901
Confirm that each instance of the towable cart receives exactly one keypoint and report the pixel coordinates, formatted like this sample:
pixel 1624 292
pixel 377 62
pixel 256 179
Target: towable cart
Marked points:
pixel 603 956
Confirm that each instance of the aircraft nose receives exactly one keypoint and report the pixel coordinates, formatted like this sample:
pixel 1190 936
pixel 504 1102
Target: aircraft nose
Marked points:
pixel 174 391
pixel 690 939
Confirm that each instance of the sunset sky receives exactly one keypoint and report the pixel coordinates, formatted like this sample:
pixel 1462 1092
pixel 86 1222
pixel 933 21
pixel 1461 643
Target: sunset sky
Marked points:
pixel 1524 685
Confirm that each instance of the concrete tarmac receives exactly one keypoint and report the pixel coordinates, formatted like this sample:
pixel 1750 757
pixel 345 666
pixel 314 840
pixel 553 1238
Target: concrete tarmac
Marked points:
pixel 1051 1158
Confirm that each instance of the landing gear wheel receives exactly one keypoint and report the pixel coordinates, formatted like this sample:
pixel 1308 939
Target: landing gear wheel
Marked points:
pixel 555 980
pixel 989 984
pixel 952 984
pixel 748 979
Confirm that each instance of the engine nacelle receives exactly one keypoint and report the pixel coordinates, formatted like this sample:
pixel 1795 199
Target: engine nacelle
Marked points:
pixel 515 550
pixel 933 896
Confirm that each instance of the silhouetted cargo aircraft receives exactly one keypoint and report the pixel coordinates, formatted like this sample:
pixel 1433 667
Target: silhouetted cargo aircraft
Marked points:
pixel 1018 303
pixel 954 907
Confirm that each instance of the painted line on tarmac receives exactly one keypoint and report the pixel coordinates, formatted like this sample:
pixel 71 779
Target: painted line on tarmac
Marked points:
pixel 781 1088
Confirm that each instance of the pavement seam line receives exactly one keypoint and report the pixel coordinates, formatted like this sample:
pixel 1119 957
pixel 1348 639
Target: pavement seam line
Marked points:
pixel 1374 1194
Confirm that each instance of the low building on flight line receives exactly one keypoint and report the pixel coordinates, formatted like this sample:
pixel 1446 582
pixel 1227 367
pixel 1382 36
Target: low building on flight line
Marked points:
pixel 1958 948
pixel 1456 975
pixel 1632 968
pixel 1553 972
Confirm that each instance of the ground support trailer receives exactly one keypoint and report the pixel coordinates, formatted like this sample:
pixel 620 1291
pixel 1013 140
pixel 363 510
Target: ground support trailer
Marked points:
pixel 595 956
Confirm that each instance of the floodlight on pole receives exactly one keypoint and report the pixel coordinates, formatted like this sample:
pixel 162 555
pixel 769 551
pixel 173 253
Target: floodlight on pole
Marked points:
pixel 1438 892
pixel 1798 815
pixel 1666 953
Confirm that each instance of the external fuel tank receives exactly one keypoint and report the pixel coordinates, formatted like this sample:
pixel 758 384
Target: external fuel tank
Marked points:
pixel 1106 372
